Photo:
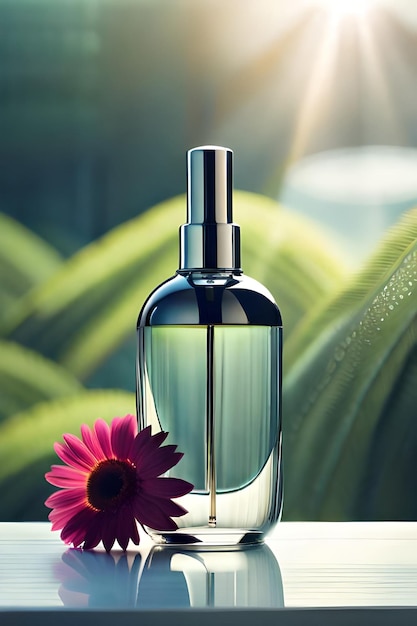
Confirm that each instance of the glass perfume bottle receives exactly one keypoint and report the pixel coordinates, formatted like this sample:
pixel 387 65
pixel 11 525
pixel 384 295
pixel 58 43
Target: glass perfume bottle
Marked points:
pixel 209 371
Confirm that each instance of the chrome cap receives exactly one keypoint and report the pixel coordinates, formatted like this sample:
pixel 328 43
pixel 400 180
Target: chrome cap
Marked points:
pixel 209 240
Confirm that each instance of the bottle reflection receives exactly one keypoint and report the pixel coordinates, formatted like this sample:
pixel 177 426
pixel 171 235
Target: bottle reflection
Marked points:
pixel 171 578
pixel 232 578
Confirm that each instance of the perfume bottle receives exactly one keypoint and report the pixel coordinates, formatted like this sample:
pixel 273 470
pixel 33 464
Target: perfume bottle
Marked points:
pixel 209 371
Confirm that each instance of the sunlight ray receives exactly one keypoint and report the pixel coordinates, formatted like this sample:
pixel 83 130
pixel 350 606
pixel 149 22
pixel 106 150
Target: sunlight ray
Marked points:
pixel 317 96
pixel 373 103
pixel 342 8
pixel 376 88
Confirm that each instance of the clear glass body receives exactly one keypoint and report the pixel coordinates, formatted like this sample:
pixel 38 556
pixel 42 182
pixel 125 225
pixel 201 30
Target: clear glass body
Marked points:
pixel 216 388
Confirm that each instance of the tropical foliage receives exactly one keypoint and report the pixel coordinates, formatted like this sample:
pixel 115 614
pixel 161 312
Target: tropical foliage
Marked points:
pixel 350 353
pixel 352 432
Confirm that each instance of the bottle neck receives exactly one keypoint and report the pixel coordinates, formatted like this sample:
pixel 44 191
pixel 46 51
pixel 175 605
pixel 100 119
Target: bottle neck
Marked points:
pixel 210 247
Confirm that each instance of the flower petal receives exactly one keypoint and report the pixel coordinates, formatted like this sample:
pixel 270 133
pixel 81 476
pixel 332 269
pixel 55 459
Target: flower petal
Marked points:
pixel 149 513
pixel 75 453
pixel 60 517
pixel 157 463
pixel 166 487
pixel 66 498
pixel 123 431
pixel 126 528
pixel 64 476
pixel 96 531
pixel 90 440
pixel 145 444
pixel 76 528
pixel 134 533
pixel 102 431
pixel 170 508
pixel 109 531
pixel 122 534
pixel 92 538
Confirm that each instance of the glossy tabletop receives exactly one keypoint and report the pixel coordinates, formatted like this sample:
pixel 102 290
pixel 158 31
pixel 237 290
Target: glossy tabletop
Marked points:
pixel 368 570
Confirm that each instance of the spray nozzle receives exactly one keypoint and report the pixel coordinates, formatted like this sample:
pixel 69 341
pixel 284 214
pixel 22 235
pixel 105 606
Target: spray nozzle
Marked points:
pixel 209 240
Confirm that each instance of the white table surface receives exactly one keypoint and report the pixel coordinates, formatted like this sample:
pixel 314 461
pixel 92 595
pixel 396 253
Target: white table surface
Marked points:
pixel 306 573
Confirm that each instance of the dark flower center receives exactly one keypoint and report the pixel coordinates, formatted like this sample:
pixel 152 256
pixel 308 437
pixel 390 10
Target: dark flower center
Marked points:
pixel 111 484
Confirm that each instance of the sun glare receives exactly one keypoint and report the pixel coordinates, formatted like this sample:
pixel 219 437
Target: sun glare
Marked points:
pixel 345 8
pixel 347 76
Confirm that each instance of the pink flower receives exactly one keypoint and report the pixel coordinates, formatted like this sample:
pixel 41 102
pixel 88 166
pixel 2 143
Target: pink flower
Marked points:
pixel 112 478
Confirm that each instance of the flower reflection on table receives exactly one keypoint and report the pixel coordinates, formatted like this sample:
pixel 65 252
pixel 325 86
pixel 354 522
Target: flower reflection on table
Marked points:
pixel 171 578
pixel 98 579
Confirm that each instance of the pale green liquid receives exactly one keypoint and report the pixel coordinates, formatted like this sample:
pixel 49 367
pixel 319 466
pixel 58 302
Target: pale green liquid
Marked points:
pixel 216 391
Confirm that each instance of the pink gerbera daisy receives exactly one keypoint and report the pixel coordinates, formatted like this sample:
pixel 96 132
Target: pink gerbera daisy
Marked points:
pixel 113 478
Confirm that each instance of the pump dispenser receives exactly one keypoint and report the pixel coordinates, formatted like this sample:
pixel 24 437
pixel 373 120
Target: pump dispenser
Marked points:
pixel 209 371
pixel 209 239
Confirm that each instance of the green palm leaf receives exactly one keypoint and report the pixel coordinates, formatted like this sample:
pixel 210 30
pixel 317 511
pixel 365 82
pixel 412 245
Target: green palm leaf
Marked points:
pixel 333 308
pixel 25 260
pixel 27 378
pixel 26 446
pixel 349 401
pixel 88 308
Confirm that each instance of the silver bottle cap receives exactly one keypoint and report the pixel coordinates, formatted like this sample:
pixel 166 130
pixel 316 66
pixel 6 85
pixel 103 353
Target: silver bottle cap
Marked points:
pixel 209 240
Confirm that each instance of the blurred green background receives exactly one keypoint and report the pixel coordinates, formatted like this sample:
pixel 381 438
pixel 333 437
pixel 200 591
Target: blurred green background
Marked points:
pixel 99 101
